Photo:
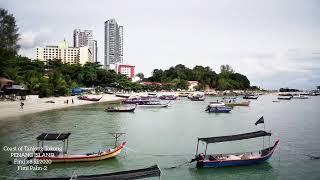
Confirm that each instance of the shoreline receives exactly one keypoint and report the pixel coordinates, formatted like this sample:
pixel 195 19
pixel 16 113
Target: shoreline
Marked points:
pixel 33 104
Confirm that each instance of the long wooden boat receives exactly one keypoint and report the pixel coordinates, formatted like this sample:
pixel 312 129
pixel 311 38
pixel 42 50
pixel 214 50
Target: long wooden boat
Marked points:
pixel 154 105
pixel 218 109
pixel 168 97
pixel 88 98
pixel 123 95
pixel 136 101
pixel 64 157
pixel 152 171
pixel 232 104
pixel 300 97
pixel 234 159
pixel 197 98
pixel 249 96
pixel 284 97
pixel 120 109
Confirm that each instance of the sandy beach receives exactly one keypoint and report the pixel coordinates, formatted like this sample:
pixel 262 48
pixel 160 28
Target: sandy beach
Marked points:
pixel 33 104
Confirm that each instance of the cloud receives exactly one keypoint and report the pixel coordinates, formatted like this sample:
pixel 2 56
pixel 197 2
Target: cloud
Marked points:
pixel 32 39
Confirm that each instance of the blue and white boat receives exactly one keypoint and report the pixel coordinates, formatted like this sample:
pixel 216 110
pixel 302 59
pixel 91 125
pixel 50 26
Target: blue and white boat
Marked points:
pixel 204 160
pixel 218 107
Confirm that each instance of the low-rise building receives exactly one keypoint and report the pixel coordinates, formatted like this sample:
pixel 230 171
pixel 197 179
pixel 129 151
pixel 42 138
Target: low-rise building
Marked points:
pixel 126 69
pixel 70 55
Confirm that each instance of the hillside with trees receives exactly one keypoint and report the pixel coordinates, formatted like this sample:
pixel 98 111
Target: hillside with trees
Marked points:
pixel 180 75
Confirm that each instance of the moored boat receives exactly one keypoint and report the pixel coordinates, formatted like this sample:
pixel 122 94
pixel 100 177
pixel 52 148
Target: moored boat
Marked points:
pixel 299 96
pixel 57 156
pixel 233 159
pixel 123 95
pixel 284 97
pixel 218 107
pixel 197 97
pixel 121 109
pixel 231 102
pixel 250 96
pixel 168 97
pixel 86 98
pixel 154 105
pixel 136 101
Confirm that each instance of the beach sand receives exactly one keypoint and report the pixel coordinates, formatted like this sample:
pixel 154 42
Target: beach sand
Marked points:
pixel 33 104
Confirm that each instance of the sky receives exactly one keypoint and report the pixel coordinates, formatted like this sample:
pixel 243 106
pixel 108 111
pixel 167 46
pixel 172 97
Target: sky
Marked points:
pixel 275 43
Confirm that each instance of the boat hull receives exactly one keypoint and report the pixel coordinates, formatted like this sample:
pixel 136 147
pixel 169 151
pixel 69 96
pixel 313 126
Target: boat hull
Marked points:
pixel 237 104
pixel 213 110
pixel 242 162
pixel 89 99
pixel 154 106
pixel 85 158
pixel 250 97
pixel 120 110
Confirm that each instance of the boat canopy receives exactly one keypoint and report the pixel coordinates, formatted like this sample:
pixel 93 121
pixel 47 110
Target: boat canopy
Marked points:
pixel 53 136
pixel 234 137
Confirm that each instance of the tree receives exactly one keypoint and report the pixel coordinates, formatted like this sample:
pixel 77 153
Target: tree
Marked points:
pixel 8 32
pixel 140 75
pixel 226 69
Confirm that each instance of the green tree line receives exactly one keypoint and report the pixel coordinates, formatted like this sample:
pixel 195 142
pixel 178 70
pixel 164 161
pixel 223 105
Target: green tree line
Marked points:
pixel 180 74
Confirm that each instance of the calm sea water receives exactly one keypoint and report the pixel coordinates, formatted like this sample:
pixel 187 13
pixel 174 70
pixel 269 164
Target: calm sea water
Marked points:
pixel 168 137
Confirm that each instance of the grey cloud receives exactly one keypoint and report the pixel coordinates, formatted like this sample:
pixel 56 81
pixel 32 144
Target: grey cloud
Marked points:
pixel 31 39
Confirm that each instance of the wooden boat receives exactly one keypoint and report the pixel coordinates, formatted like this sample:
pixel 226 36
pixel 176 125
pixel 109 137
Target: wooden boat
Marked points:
pixel 63 157
pixel 233 159
pixel 275 101
pixel 250 96
pixel 88 98
pixel 232 104
pixel 152 171
pixel 299 97
pixel 284 97
pixel 197 98
pixel 121 109
pixel 138 100
pixel 154 105
pixel 123 95
pixel 183 94
pixel 152 93
pixel 218 107
pixel 168 97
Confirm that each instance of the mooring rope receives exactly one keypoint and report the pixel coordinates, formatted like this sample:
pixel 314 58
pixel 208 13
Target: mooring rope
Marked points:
pixel 147 154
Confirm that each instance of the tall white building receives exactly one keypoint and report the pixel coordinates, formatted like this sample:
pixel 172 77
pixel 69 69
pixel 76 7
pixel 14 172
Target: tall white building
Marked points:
pixel 83 38
pixel 70 55
pixel 94 51
pixel 113 44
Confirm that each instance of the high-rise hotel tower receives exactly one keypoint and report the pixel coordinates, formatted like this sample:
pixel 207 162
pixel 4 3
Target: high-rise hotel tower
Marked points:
pixel 82 38
pixel 113 44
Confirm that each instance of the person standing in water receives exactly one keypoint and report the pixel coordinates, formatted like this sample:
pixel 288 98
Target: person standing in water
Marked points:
pixel 21 105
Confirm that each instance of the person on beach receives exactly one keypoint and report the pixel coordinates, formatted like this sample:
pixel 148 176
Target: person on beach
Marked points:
pixel 21 105
pixel 72 101
pixel 67 101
